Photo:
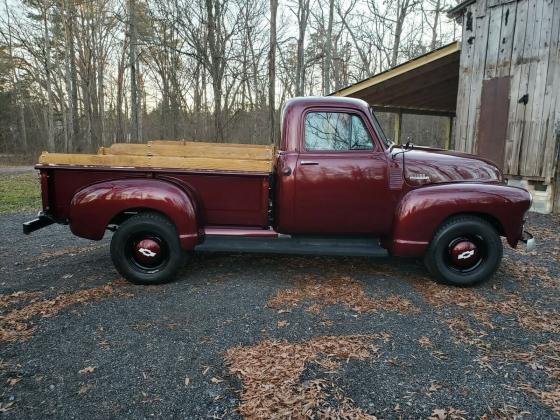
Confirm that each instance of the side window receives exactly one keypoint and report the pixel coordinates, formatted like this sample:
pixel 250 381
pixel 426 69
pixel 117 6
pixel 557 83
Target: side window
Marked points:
pixel 336 131
pixel 361 140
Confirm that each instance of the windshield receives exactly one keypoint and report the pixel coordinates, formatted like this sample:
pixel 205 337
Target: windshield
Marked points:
pixel 379 130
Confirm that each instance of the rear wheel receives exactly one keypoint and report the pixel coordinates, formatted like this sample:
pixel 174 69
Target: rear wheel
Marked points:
pixel 466 250
pixel 145 249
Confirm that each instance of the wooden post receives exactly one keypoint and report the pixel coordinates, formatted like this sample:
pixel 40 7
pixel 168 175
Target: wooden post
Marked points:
pixel 397 127
pixel 449 133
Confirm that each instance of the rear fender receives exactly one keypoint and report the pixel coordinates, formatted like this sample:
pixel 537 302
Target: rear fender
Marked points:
pixel 93 208
pixel 423 210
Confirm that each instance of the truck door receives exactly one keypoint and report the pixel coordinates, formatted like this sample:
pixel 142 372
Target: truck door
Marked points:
pixel 341 183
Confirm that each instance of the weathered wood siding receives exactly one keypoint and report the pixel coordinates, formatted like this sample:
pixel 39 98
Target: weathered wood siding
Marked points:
pixel 519 39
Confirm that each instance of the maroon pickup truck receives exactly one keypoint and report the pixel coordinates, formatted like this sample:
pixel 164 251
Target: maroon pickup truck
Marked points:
pixel 335 186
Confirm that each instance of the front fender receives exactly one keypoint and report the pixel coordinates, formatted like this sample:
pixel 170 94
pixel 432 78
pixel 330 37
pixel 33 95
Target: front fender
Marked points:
pixel 423 210
pixel 93 207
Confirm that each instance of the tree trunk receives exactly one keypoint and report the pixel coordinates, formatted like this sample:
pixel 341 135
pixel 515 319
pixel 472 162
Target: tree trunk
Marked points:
pixel 437 12
pixel 213 11
pixel 120 129
pixel 272 73
pixel 133 61
pixel 303 14
pixel 17 94
pixel 50 112
pixel 328 52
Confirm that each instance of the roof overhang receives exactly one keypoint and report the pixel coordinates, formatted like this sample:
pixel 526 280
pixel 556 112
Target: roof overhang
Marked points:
pixel 424 85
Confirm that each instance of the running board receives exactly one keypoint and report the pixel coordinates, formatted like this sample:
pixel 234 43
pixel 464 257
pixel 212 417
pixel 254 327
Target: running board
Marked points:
pixel 303 245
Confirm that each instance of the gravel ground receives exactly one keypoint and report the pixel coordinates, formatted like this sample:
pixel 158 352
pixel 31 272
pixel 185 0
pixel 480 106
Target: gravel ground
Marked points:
pixel 77 342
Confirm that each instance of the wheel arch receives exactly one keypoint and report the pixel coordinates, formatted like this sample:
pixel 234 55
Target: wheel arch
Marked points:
pixel 422 211
pixel 98 206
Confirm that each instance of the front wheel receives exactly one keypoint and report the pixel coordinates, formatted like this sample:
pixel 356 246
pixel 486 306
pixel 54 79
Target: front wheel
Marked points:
pixel 145 249
pixel 465 250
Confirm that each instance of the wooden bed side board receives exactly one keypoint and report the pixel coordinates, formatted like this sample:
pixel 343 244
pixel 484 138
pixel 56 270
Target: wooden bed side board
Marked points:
pixel 166 162
pixel 208 143
pixel 219 151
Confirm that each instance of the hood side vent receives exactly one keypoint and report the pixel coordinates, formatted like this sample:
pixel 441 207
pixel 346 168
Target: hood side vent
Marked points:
pixel 395 177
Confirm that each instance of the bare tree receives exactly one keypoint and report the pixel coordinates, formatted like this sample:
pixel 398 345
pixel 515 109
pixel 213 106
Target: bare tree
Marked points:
pixel 302 14
pixel 272 72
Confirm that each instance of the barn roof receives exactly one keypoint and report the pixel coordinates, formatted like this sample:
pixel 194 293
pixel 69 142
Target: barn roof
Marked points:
pixel 426 84
pixel 460 8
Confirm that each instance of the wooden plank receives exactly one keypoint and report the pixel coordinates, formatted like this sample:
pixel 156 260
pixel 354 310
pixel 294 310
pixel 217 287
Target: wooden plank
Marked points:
pixel 519 73
pixel 551 111
pixel 463 91
pixel 509 14
pixel 533 55
pixel 397 128
pixel 212 150
pixel 207 143
pixel 493 43
pixel 535 151
pixel 164 162
pixel 448 133
pixel 479 58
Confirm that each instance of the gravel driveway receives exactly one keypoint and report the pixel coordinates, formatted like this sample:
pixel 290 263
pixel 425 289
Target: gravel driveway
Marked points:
pixel 258 335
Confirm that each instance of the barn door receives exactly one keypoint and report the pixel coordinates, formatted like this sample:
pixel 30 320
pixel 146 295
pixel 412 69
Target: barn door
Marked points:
pixel 493 119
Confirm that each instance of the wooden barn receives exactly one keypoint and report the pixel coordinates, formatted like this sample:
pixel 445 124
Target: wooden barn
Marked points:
pixel 508 101
pixel 499 87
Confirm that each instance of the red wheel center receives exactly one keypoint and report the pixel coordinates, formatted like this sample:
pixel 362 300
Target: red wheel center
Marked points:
pixel 464 254
pixel 147 252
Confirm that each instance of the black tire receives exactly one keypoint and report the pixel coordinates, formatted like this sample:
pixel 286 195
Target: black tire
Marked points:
pixel 477 239
pixel 159 262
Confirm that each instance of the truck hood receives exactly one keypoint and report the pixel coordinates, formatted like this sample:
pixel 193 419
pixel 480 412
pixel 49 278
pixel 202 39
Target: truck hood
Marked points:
pixel 424 165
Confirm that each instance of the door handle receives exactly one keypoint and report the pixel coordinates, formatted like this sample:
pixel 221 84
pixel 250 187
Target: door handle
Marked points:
pixel 309 162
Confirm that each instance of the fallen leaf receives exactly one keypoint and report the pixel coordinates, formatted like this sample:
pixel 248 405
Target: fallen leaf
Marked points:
pixel 6 406
pixel 187 381
pixel 434 387
pixel 439 414
pixel 13 381
pixel 282 324
pixel 215 380
pixel 88 369
pixel 85 388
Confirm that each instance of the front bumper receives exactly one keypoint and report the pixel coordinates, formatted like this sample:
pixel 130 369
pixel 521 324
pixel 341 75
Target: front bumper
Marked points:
pixel 528 240
pixel 42 220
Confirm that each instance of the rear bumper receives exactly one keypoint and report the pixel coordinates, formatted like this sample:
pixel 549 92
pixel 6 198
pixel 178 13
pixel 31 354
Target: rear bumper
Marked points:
pixel 41 221
pixel 528 240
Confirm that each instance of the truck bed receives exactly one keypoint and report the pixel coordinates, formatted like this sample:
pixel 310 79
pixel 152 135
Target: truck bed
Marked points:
pixel 231 181
pixel 173 155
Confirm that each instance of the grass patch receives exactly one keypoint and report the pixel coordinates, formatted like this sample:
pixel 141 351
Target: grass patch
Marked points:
pixel 19 192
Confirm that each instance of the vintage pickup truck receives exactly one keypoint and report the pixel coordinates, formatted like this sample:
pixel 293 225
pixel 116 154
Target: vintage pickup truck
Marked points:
pixel 335 186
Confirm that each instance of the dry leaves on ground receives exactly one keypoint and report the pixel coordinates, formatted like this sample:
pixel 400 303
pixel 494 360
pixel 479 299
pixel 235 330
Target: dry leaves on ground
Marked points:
pixel 526 274
pixel 271 375
pixel 507 412
pixel 447 414
pixel 17 324
pixel 17 297
pixel 527 315
pixel 550 397
pixel 340 290
pixel 66 251
pixel 544 357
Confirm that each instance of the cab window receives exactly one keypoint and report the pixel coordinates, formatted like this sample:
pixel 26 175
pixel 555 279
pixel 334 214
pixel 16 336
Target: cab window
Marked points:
pixel 336 131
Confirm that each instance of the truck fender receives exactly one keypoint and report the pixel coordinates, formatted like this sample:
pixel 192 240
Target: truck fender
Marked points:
pixel 93 207
pixel 421 211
